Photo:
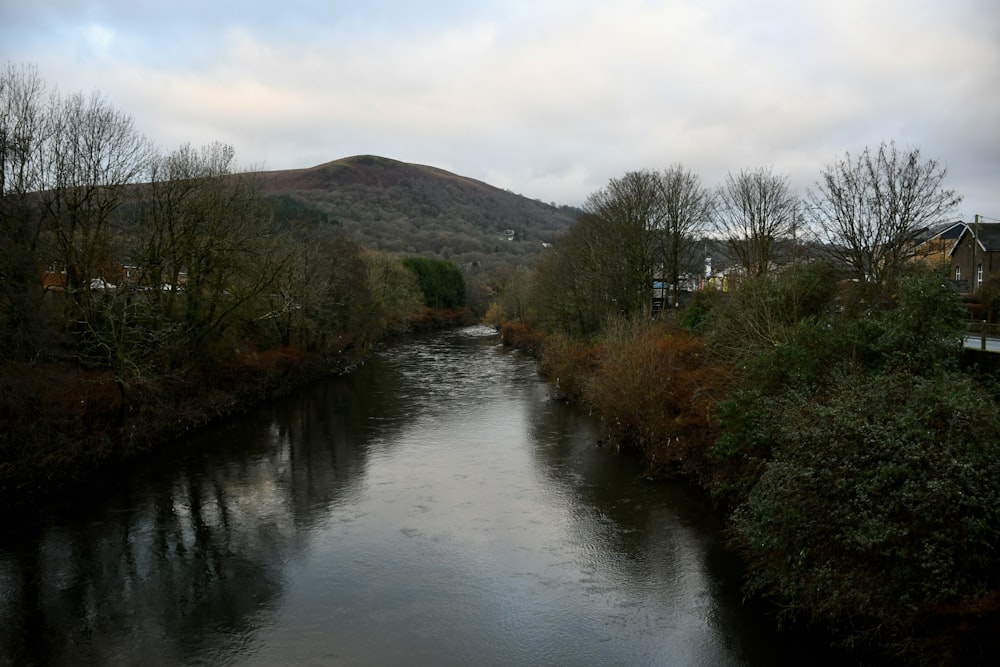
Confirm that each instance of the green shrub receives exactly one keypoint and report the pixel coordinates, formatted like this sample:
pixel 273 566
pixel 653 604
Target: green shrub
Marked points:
pixel 881 500
pixel 440 281
pixel 924 329
pixel 695 315
pixel 745 427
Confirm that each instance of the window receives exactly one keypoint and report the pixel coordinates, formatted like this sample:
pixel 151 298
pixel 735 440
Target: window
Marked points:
pixel 958 273
pixel 979 276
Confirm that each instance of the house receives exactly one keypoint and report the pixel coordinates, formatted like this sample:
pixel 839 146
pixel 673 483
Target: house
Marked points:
pixel 54 278
pixel 934 244
pixel 975 256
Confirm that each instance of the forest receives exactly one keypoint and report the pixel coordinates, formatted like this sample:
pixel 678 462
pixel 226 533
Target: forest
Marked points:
pixel 819 396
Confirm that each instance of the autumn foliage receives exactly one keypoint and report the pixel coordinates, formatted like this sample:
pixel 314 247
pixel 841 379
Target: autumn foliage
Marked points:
pixel 655 388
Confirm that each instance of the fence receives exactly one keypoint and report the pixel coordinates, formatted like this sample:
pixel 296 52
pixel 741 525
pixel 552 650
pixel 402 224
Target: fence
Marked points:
pixel 983 333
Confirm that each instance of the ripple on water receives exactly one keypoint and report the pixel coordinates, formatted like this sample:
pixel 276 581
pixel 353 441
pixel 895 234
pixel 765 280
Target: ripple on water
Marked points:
pixel 432 509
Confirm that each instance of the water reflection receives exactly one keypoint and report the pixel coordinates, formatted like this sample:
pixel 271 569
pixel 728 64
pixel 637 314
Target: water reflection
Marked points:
pixel 178 563
pixel 435 508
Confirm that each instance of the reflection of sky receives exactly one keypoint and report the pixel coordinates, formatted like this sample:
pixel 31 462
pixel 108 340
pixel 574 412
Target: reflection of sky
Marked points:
pixel 461 548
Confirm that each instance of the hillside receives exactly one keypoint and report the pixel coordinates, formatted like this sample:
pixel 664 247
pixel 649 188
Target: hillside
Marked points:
pixel 414 209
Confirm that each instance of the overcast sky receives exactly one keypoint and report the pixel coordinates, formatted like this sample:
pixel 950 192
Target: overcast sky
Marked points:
pixel 547 99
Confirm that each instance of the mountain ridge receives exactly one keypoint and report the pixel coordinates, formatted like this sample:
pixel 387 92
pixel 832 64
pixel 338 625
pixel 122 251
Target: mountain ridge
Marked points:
pixel 365 169
pixel 415 209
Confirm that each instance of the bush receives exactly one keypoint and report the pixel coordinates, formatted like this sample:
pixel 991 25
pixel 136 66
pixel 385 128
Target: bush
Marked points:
pixel 881 501
pixel 745 428
pixel 655 392
pixel 924 329
pixel 915 330
pixel 521 336
pixel 568 364
pixel 695 316
pixel 767 312
pixel 440 281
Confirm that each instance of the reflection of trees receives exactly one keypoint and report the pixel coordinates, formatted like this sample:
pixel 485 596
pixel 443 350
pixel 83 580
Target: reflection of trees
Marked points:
pixel 186 563
pixel 670 540
pixel 323 435
pixel 147 583
pixel 184 560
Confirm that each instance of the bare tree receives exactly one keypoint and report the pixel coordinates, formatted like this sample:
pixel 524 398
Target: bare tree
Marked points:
pixel 687 208
pixel 871 209
pixel 631 210
pixel 207 240
pixel 21 138
pixel 569 291
pixel 21 127
pixel 393 293
pixel 637 228
pixel 755 212
pixel 92 152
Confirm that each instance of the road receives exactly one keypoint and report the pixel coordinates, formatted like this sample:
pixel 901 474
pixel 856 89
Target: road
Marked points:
pixel 975 342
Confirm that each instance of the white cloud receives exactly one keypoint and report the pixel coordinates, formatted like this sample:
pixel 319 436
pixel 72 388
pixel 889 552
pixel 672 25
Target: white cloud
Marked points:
pixel 549 99
pixel 99 38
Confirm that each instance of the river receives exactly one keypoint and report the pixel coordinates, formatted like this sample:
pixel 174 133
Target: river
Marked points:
pixel 434 508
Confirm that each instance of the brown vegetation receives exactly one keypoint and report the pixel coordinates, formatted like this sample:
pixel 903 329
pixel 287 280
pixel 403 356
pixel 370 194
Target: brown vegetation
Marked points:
pixel 521 336
pixel 656 388
pixel 64 424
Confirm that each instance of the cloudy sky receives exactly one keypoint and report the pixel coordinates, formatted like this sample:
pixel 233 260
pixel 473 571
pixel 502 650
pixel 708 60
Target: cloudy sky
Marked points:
pixel 549 99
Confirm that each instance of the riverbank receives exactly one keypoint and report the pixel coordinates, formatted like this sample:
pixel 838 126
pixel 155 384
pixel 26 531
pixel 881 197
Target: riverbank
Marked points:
pixel 907 577
pixel 432 507
pixel 67 426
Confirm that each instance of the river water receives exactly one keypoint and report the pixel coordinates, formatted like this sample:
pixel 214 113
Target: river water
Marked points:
pixel 434 508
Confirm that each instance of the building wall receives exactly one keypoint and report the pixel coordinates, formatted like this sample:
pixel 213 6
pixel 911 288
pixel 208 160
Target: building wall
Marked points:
pixel 967 260
pixel 934 253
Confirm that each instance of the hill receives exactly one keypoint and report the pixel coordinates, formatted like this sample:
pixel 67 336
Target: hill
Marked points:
pixel 413 209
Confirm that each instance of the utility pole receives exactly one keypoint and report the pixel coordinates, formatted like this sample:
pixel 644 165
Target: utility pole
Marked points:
pixel 795 240
pixel 975 242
